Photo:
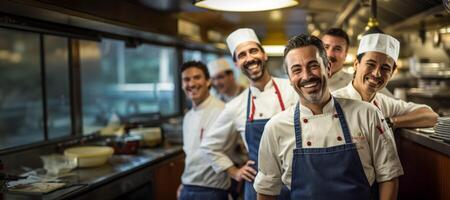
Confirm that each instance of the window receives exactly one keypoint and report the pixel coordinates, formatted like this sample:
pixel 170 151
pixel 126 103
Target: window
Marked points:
pixel 21 108
pixel 57 86
pixel 208 57
pixel 189 55
pixel 119 82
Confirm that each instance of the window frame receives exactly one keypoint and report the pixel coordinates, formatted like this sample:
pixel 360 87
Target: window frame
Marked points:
pixel 73 36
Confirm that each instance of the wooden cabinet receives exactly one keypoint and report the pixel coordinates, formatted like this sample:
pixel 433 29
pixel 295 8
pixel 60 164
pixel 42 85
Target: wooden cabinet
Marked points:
pixel 167 178
pixel 427 172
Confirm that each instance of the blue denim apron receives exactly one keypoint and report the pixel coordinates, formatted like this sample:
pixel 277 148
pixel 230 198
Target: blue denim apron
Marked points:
pixel 328 173
pixel 253 131
pixel 194 192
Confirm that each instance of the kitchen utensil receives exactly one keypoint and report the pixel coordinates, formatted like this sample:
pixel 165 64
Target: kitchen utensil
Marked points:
pixel 152 136
pixel 89 156
pixel 127 144
pixel 57 164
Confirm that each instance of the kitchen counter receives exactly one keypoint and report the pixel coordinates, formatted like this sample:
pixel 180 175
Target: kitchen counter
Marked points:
pixel 122 174
pixel 425 164
pixel 425 140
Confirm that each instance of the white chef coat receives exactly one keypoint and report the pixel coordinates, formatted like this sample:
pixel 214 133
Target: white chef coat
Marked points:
pixel 376 149
pixel 196 124
pixel 233 119
pixel 341 79
pixel 390 107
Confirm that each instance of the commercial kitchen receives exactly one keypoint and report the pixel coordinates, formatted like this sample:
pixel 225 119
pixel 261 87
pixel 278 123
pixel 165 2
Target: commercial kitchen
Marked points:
pixel 92 97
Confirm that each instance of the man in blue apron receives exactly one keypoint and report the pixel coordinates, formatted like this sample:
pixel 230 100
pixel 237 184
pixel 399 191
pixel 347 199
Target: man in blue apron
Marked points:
pixel 325 147
pixel 247 113
pixel 199 181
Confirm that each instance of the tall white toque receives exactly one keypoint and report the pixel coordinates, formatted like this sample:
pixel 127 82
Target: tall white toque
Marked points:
pixel 380 43
pixel 217 66
pixel 240 36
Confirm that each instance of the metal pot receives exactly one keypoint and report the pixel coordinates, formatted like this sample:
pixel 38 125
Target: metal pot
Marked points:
pixel 126 144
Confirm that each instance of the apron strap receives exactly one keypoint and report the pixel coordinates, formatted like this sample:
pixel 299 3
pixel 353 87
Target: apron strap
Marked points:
pixel 249 98
pixel 280 99
pixel 298 129
pixel 343 122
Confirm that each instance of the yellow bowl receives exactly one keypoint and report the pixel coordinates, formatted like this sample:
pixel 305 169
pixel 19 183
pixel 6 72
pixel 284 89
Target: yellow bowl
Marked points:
pixel 89 156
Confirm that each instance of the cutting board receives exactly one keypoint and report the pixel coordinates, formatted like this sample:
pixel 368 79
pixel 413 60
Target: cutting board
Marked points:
pixel 37 187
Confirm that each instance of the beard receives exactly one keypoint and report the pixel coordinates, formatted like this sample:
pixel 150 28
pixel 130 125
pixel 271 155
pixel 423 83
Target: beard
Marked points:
pixel 254 77
pixel 314 97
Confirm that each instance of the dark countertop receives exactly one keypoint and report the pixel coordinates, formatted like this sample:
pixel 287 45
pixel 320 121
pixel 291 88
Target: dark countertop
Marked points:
pixel 425 140
pixel 118 166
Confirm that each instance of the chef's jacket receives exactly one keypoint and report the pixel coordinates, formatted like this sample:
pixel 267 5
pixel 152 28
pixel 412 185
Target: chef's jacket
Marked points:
pixel 390 107
pixel 341 79
pixel 196 124
pixel 372 136
pixel 233 119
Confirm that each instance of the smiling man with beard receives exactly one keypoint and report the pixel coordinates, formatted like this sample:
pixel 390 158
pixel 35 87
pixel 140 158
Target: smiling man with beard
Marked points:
pixel 199 180
pixel 374 66
pixel 325 147
pixel 247 113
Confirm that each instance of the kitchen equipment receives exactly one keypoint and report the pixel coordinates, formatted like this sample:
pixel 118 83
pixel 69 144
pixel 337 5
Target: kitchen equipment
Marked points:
pixel 127 144
pixel 89 156
pixel 151 136
pixel 58 164
pixel 39 187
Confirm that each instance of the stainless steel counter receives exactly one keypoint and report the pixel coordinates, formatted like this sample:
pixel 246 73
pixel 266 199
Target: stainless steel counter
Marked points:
pixel 122 174
pixel 425 140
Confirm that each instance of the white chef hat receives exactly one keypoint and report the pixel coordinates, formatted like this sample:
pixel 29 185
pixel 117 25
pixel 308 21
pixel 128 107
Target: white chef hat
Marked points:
pixel 239 36
pixel 380 43
pixel 217 66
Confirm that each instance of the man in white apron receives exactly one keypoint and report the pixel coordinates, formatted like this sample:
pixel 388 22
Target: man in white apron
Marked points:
pixel 336 43
pixel 325 147
pixel 247 113
pixel 199 180
pixel 375 65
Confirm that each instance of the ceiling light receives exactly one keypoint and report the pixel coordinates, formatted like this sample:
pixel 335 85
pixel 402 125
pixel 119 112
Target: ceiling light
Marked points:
pixel 244 5
pixel 274 50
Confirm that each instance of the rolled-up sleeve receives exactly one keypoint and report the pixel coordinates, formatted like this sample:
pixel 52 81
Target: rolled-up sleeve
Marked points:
pixel 268 180
pixel 385 158
pixel 395 107
pixel 215 140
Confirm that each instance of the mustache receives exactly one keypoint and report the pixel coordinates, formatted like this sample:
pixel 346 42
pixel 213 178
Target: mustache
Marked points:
pixel 310 80
pixel 252 62
pixel 332 59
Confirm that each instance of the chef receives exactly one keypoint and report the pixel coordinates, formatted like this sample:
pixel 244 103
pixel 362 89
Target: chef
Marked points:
pixel 374 66
pixel 222 79
pixel 247 113
pixel 336 43
pixel 226 88
pixel 199 180
pixel 324 147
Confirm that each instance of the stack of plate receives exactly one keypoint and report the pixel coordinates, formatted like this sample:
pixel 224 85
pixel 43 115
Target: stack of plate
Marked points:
pixel 442 128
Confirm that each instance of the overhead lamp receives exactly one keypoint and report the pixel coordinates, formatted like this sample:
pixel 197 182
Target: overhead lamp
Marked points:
pixel 274 50
pixel 244 5
pixel 274 42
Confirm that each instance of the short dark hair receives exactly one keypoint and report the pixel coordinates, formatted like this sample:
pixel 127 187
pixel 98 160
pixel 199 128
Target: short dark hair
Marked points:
pixel 337 32
pixel 197 64
pixel 303 40
pixel 257 44
pixel 359 58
